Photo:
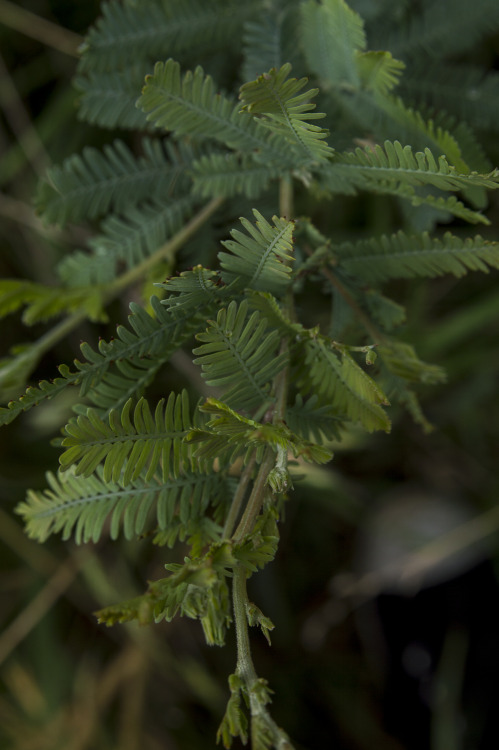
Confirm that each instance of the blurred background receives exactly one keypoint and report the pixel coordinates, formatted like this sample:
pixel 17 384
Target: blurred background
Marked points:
pixel 385 592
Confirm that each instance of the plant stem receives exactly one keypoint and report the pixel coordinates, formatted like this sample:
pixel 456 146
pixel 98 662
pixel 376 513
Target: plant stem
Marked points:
pixel 286 198
pixel 255 501
pixel 238 498
pixel 371 329
pixel 245 667
pixel 166 251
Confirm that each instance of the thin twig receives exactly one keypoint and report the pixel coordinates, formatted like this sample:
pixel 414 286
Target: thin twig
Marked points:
pixel 238 498
pixel 20 123
pixel 48 33
pixel 371 329
pixel 256 498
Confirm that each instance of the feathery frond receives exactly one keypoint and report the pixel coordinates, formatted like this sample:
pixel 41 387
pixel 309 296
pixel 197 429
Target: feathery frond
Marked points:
pixel 385 311
pixel 154 337
pixel 269 308
pixel 140 231
pixel 143 31
pixel 83 506
pixel 312 420
pixel 108 99
pixel 286 112
pixel 271 39
pixel 90 185
pixel 240 356
pixel 226 428
pixel 261 260
pixel 128 446
pixel 378 71
pixel 198 288
pixel 401 359
pixel 88 269
pixel 332 34
pixel 340 382
pixel 43 302
pixel 397 162
pixel 405 256
pixel 227 175
pixel 191 106
pixel 45 390
pixel 193 589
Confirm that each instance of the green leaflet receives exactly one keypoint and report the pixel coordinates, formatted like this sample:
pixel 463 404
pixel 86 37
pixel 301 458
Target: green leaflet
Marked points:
pixel 89 185
pixel 270 311
pixel 312 420
pixel 397 162
pixel 417 177
pixel 191 106
pixel 271 39
pixel 81 506
pixel 226 427
pixel 238 355
pixel 332 35
pixel 197 588
pixel 178 25
pixel 339 381
pixel 378 71
pixel 385 311
pixel 198 288
pixel 136 354
pixel 401 359
pixel 261 260
pixel 405 256
pixel 142 230
pixel 194 590
pixel 286 112
pixel 108 99
pixel 127 445
pixel 232 174
pixel 44 302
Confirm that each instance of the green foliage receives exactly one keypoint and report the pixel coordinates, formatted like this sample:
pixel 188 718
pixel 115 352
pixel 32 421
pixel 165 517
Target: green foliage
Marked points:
pixel 286 112
pixel 239 356
pixel 335 62
pixel 259 261
pixel 401 256
pixel 95 183
pixel 191 106
pixel 285 340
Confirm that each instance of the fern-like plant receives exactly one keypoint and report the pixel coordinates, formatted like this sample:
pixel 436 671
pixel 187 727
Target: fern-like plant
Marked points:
pixel 226 100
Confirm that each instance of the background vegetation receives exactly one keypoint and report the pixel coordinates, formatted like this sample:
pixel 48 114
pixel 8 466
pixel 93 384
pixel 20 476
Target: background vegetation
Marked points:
pixel 353 652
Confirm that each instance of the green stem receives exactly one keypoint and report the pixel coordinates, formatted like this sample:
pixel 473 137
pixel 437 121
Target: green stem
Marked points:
pixel 238 498
pixel 256 498
pixel 245 667
pixel 286 198
pixel 166 251
pixel 371 329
